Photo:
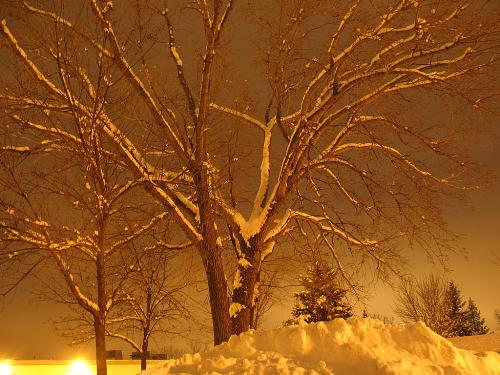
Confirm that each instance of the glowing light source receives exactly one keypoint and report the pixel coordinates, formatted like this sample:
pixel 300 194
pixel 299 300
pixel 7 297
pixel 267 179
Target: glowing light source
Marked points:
pixel 6 369
pixel 79 367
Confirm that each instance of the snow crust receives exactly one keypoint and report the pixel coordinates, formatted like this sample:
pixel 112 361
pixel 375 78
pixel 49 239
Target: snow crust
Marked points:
pixel 356 346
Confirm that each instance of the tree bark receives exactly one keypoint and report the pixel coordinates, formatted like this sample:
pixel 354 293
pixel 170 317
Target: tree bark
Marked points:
pixel 244 295
pixel 144 354
pixel 211 253
pixel 100 316
pixel 219 302
pixel 100 344
pixel 146 329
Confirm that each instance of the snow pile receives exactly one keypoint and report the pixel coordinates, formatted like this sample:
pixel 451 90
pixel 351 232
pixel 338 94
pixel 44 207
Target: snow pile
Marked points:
pixel 357 346
pixel 487 342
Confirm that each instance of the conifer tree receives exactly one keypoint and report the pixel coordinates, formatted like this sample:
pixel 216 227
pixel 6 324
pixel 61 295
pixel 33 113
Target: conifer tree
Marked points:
pixel 474 323
pixel 455 313
pixel 322 298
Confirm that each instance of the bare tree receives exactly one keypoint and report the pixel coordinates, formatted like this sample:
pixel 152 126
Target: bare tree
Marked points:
pixel 69 205
pixel 155 303
pixel 423 300
pixel 334 114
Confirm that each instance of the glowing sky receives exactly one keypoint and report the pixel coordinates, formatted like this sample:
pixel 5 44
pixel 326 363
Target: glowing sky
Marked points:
pixel 26 330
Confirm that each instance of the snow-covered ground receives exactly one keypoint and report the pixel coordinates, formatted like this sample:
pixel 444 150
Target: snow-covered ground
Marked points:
pixel 357 346
pixel 482 343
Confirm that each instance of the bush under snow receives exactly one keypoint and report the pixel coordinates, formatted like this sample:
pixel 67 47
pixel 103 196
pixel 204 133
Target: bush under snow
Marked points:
pixel 357 346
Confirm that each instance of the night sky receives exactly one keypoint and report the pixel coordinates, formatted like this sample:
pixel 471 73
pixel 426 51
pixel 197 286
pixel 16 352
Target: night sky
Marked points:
pixel 26 330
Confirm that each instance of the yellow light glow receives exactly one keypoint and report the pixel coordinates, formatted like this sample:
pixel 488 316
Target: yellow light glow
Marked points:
pixel 6 369
pixel 79 367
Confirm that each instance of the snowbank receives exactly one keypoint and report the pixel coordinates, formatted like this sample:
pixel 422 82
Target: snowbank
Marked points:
pixel 487 342
pixel 357 346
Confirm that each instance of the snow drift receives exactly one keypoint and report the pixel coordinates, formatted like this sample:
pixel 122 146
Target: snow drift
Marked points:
pixel 357 346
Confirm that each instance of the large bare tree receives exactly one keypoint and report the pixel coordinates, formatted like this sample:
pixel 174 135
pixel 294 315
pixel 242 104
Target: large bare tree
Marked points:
pixel 315 128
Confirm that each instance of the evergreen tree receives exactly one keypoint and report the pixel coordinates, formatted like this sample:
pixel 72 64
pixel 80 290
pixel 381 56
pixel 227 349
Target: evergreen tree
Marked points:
pixel 474 323
pixel 321 299
pixel 455 313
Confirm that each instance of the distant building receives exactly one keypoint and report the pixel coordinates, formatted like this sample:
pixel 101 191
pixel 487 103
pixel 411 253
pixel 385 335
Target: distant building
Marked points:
pixel 137 355
pixel 159 356
pixel 153 356
pixel 114 354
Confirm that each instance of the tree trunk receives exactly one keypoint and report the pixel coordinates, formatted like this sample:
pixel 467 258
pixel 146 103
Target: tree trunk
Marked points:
pixel 244 295
pixel 219 302
pixel 100 344
pixel 212 259
pixel 144 355
pixel 100 316
pixel 146 328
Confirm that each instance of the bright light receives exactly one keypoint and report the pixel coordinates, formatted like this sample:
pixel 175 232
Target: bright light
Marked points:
pixel 79 368
pixel 6 369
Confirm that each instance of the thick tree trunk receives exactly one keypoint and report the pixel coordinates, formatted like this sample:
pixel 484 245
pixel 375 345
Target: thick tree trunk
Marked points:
pixel 219 302
pixel 245 294
pixel 212 258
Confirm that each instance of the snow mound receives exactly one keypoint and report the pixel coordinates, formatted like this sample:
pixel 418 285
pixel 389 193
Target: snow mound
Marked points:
pixel 357 346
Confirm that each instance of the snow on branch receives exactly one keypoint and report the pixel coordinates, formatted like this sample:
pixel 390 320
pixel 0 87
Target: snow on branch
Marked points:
pixel 223 19
pixel 389 150
pixel 207 20
pixel 154 220
pixel 124 338
pixel 17 149
pixel 52 131
pixel 146 171
pixel 62 21
pixel 264 174
pixel 33 69
pixel 350 197
pixel 179 65
pixel 239 115
pixel 340 28
pixel 377 30
pixel 324 223
pixel 82 299
pixel 23 103
pixel 133 155
pixel 168 246
pixel 116 136
pixel 127 69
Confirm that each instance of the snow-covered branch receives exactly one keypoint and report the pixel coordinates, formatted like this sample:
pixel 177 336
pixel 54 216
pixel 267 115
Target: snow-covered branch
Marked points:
pixel 62 21
pixel 240 116
pixel 127 69
pixel 174 52
pixel 144 228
